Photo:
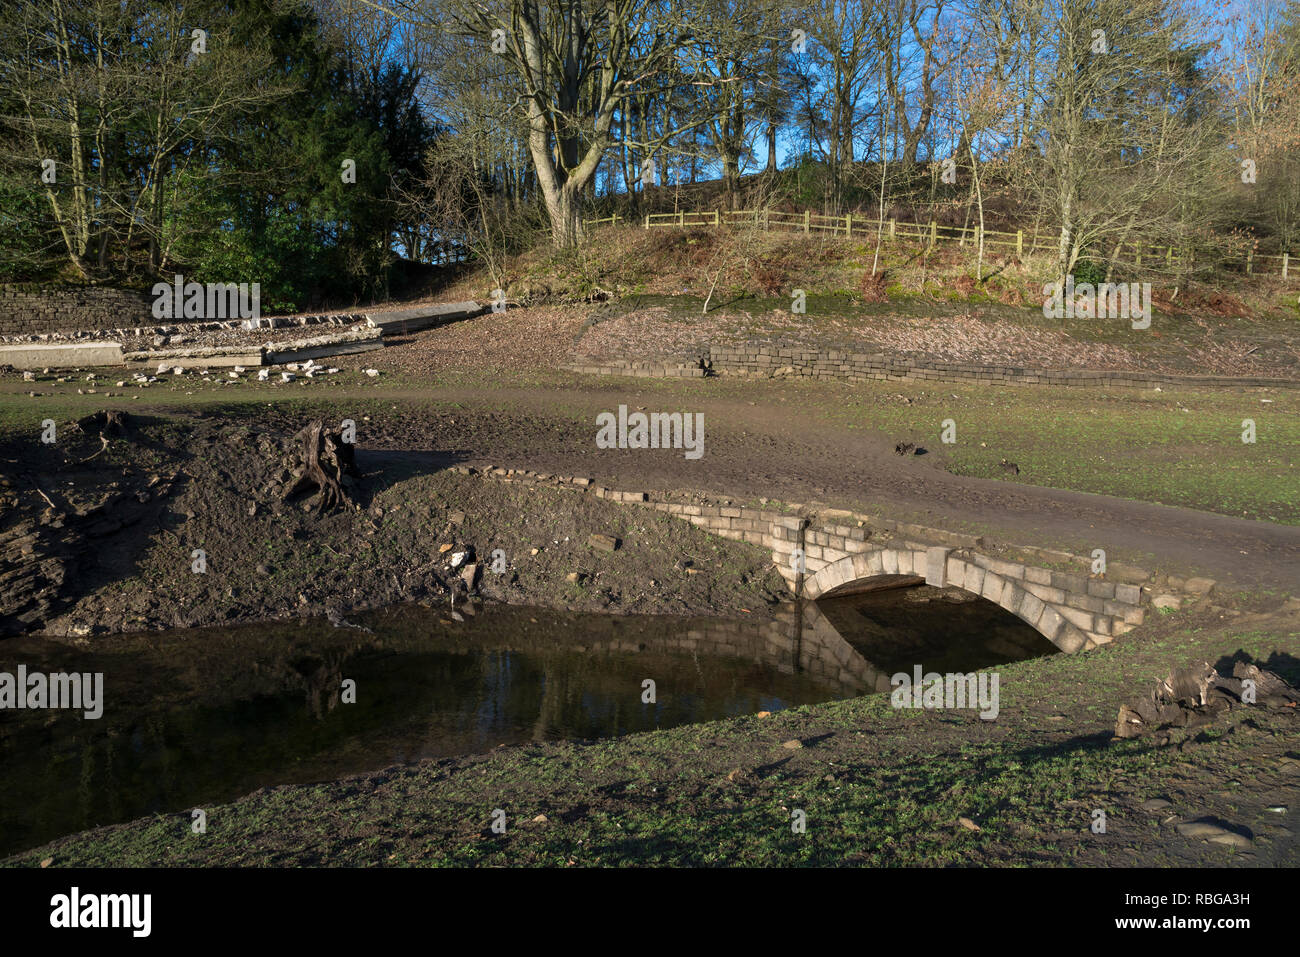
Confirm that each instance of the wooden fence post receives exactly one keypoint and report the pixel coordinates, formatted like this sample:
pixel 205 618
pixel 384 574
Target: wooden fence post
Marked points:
pixel 717 221
pixel 1250 259
pixel 1286 258
pixel 893 227
pixel 765 219
pixel 1020 244
pixel 934 233
pixel 807 220
pixel 647 220
pixel 848 224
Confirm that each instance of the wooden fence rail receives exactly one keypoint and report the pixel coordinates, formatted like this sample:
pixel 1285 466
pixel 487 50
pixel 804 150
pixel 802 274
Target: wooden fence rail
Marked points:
pixel 932 233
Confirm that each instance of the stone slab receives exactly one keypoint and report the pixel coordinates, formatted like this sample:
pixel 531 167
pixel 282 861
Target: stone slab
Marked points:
pixel 414 318
pixel 64 355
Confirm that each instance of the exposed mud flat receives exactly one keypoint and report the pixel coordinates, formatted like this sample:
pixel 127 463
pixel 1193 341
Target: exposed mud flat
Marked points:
pixel 182 522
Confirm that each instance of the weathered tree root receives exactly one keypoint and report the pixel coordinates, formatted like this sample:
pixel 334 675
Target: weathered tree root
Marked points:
pixel 321 460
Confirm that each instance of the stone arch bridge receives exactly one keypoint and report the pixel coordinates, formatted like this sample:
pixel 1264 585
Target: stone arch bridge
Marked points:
pixel 844 553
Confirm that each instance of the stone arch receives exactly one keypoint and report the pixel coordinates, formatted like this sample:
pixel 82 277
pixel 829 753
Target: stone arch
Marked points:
pixel 937 566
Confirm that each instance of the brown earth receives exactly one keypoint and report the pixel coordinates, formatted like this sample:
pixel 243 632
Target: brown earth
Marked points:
pixel 102 540
pixel 90 545
pixel 772 451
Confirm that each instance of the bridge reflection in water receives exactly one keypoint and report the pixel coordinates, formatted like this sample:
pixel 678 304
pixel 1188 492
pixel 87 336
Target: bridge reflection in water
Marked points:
pixel 205 716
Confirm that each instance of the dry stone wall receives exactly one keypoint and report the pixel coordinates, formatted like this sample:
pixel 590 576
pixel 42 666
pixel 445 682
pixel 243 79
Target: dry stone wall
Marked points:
pixel 32 310
pixel 767 360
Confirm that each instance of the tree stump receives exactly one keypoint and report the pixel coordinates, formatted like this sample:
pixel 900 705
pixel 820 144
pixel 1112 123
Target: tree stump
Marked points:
pixel 105 422
pixel 321 460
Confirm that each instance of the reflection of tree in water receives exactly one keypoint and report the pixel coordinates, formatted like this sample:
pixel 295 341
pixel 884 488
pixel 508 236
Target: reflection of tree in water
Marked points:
pixel 321 679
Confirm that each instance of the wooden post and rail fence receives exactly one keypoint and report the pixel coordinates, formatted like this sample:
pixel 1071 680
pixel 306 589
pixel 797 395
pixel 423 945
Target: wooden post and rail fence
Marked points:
pixel 932 233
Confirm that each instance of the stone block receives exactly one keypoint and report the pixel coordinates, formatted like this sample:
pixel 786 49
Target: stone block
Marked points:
pixel 936 566
pixel 1128 593
pixel 1050 622
pixel 954 573
pixel 1030 607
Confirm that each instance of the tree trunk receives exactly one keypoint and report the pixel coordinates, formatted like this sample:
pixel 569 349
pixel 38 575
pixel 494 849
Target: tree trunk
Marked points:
pixel 565 213
pixel 731 178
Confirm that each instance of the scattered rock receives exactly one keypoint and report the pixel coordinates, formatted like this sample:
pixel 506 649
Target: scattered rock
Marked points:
pixel 794 744
pixel 1267 684
pixel 1208 829
pixel 456 518
pixel 1166 602
pixel 1155 804
pixel 604 543
pixel 540 819
pixel 1200 586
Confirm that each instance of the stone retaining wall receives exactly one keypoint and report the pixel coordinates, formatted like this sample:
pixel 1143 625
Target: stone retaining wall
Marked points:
pixel 768 360
pixel 29 310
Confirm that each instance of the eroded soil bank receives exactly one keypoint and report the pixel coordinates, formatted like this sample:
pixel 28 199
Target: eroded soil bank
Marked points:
pixel 180 522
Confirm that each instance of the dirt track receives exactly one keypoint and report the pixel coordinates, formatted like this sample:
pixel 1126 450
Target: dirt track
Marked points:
pixel 755 450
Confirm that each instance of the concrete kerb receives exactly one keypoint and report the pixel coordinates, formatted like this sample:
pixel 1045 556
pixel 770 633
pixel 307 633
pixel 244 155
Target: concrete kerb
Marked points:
pixel 69 355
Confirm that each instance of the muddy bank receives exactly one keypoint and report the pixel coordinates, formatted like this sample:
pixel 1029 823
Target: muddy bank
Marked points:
pixel 182 522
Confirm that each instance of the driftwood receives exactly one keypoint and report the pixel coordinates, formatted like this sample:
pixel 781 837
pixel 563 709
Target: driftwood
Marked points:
pixel 321 460
pixel 1192 696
